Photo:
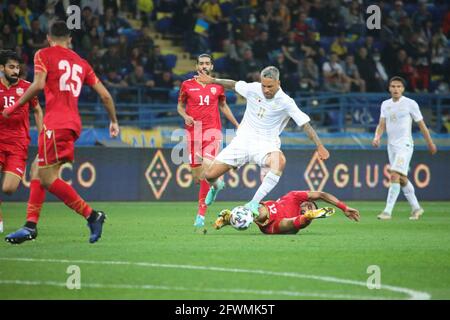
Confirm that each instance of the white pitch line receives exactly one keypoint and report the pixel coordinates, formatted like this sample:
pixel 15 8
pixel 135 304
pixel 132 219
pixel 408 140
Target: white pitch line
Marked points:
pixel 413 294
pixel 209 290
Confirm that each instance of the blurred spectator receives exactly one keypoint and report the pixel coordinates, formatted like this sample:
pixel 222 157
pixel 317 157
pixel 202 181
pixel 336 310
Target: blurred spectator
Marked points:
pixel 421 15
pixel 114 80
pixel 446 24
pixel 381 70
pixel 311 48
pixel 139 78
pixel 439 53
pixel 334 77
pixel 388 30
pixel 249 68
pixel 301 27
pixel 410 73
pixel 47 18
pixel 355 82
pixel 339 46
pixel 250 30
pixel 368 71
pixel 282 65
pixel 308 73
pixel 137 58
pixel 285 16
pixel 241 47
pixel 25 15
pixel 156 63
pixel 8 38
pixel 90 39
pixel 262 47
pixel 329 18
pixel 111 26
pixel 355 22
pixel 11 17
pixel 35 39
pixel 369 45
pixel 165 80
pixel 145 41
pixel 112 59
pixel 290 48
pixel 95 5
pixel 145 11
pixel 398 13
pixel 94 58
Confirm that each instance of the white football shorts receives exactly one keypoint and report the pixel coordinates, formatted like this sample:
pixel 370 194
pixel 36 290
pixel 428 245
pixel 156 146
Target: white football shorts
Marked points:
pixel 399 158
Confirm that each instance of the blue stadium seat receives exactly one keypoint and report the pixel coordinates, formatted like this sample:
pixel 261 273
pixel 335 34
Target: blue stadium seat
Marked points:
pixel 173 96
pixel 170 60
pixel 164 25
pixel 220 64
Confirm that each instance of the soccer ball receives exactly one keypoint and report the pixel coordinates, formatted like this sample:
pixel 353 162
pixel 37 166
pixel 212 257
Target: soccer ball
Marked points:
pixel 241 218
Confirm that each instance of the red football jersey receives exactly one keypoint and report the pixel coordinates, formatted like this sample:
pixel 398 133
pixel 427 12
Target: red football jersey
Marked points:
pixel 15 129
pixel 287 206
pixel 202 103
pixel 66 73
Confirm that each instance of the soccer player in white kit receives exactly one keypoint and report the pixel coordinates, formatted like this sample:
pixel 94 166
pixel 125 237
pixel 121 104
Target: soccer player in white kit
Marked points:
pixel 257 140
pixel 396 118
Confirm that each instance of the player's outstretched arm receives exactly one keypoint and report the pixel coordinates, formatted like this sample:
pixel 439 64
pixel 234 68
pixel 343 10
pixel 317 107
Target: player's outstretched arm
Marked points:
pixel 36 87
pixel 381 127
pixel 225 109
pixel 108 103
pixel 312 135
pixel 207 79
pixel 426 134
pixel 351 213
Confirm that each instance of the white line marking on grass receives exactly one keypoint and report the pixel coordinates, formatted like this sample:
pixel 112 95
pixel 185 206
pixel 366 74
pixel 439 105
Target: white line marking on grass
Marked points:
pixel 412 294
pixel 169 288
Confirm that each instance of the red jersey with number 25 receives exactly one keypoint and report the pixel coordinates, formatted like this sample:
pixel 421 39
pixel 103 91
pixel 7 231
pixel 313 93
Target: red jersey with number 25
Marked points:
pixel 66 73
pixel 15 129
pixel 202 103
pixel 287 206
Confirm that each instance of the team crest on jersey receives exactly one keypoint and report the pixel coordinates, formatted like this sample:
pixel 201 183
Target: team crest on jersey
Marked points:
pixel 214 90
pixel 49 134
pixel 19 91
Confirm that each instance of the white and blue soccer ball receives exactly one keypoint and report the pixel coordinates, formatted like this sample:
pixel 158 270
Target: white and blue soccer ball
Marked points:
pixel 241 218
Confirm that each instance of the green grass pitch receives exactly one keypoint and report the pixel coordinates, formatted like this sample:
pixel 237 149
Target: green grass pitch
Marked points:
pixel 150 251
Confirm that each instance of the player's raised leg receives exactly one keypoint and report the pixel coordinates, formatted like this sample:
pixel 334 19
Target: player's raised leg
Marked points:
pixel 212 175
pixel 410 195
pixel 276 162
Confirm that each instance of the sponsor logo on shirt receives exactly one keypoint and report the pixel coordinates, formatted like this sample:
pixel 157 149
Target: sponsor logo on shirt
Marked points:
pixel 194 89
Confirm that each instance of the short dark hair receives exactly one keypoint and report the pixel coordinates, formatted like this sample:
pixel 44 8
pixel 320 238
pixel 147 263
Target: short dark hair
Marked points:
pixel 59 29
pixel 397 78
pixel 6 55
pixel 205 55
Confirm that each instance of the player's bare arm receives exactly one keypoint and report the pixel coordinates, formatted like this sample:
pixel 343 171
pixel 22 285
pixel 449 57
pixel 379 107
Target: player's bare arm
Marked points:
pixel 381 127
pixel 312 135
pixel 39 117
pixel 207 79
pixel 108 103
pixel 426 134
pixel 36 87
pixel 351 213
pixel 188 120
pixel 225 109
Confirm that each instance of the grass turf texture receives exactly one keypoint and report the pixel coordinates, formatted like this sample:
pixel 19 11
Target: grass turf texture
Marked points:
pixel 410 254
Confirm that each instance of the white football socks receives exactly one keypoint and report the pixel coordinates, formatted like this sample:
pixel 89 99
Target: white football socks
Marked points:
pixel 269 182
pixel 394 191
pixel 410 195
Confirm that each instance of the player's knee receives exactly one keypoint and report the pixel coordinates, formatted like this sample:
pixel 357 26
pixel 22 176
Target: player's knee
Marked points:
pixel 278 161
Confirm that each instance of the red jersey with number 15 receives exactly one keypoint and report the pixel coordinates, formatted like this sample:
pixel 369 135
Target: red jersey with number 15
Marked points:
pixel 14 131
pixel 66 73
pixel 202 103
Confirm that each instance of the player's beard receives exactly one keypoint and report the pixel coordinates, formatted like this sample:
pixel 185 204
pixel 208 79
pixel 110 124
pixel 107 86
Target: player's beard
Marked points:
pixel 206 71
pixel 11 80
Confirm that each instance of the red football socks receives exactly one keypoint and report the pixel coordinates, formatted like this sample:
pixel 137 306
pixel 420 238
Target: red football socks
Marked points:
pixel 301 222
pixel 37 198
pixel 70 197
pixel 202 207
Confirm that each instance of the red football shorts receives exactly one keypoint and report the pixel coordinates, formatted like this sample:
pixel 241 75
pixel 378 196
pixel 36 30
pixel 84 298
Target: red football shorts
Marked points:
pixel 56 146
pixel 13 160
pixel 272 226
pixel 206 146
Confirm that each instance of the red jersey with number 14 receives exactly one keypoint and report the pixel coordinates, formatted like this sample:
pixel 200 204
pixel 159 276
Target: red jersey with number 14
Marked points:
pixel 66 73
pixel 14 131
pixel 202 103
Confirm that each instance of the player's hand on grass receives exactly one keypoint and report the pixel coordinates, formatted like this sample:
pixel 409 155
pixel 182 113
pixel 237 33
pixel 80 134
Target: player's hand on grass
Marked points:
pixel 204 78
pixel 189 121
pixel 323 152
pixel 114 129
pixel 376 142
pixel 352 214
pixel 432 147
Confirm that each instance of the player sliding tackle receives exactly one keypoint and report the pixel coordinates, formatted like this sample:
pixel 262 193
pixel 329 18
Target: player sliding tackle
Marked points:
pixel 257 140
pixel 61 72
pixel 292 212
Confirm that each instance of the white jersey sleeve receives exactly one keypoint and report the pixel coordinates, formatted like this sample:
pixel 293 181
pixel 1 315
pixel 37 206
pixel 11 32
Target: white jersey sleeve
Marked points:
pixel 382 111
pixel 415 112
pixel 295 113
pixel 242 88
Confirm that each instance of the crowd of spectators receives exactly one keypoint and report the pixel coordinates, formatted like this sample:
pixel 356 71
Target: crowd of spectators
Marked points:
pixel 317 45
